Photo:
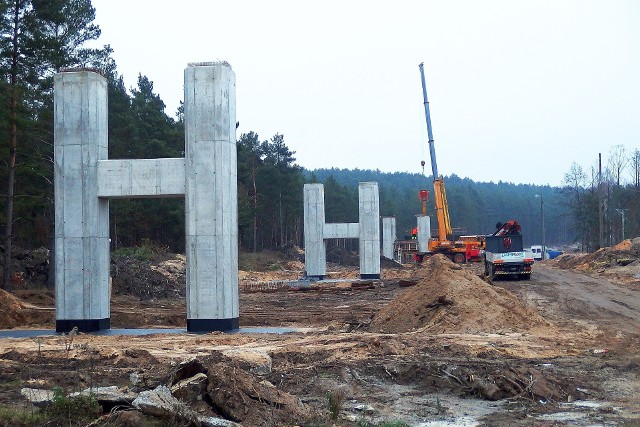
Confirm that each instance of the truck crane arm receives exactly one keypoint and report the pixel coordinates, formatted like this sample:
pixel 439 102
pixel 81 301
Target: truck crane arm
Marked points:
pixel 509 228
pixel 445 231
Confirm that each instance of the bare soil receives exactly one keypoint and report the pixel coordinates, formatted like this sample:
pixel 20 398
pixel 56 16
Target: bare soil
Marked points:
pixel 449 349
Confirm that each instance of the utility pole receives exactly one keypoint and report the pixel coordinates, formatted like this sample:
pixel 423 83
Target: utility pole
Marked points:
pixel 600 204
pixel 544 247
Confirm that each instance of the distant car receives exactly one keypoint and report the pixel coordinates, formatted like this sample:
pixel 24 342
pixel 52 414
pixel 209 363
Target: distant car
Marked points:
pixel 548 253
pixel 537 252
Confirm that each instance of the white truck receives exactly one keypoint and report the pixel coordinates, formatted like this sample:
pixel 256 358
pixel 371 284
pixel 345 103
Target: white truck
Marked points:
pixel 504 255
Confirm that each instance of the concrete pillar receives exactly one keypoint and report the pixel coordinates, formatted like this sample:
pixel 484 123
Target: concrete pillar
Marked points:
pixel 315 254
pixel 424 233
pixel 369 230
pixel 388 236
pixel 211 206
pixel 81 218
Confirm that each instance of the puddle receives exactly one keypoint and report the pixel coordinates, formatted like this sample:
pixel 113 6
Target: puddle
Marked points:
pixel 461 422
pixel 409 405
pixel 562 416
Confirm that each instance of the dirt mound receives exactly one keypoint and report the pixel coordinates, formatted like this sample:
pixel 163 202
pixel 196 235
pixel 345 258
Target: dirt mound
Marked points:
pixel 624 253
pixel 447 299
pixel 11 313
pixel 162 277
pixel 242 397
pixel 30 268
pixel 343 257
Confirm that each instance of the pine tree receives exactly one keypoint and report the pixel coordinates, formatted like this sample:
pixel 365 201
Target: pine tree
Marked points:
pixel 37 38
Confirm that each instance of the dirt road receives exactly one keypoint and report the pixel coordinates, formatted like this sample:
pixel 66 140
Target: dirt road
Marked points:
pixel 567 295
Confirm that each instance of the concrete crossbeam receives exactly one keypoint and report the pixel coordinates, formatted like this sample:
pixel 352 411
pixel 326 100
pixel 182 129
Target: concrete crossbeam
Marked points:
pixel 341 231
pixel 141 178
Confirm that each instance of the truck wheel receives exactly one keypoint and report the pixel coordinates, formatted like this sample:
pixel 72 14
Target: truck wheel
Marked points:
pixel 459 258
pixel 491 275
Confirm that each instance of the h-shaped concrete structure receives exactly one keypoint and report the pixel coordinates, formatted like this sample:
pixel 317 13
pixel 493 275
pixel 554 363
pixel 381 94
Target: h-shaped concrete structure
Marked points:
pixel 85 180
pixel 367 230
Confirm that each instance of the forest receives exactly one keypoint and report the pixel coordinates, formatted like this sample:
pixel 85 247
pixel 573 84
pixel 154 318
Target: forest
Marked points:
pixel 41 37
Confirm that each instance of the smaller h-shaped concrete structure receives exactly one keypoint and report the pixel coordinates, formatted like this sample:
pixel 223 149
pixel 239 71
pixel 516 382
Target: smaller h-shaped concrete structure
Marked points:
pixel 367 230
pixel 85 180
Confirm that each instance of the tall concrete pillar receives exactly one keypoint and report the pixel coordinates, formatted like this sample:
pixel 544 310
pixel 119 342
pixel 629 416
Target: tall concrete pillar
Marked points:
pixel 388 236
pixel 369 230
pixel 81 218
pixel 315 254
pixel 424 233
pixel 211 205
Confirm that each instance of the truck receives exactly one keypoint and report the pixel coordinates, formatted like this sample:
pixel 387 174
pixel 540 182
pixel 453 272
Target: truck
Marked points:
pixel 504 255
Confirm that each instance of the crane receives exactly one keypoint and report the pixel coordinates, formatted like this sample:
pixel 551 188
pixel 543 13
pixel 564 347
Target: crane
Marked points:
pixel 445 232
pixel 468 247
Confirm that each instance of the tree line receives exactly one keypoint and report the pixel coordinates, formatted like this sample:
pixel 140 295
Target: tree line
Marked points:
pixel 474 207
pixel 41 37
pixel 604 198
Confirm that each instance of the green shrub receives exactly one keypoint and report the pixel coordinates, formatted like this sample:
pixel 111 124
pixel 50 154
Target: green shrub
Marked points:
pixel 20 417
pixel 141 253
pixel 335 400
pixel 77 410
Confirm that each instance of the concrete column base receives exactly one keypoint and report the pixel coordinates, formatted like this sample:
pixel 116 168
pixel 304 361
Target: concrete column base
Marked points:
pixel 84 325
pixel 211 325
pixel 314 276
pixel 369 276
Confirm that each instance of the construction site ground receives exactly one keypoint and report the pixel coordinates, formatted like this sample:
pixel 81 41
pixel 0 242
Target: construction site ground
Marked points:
pixel 428 345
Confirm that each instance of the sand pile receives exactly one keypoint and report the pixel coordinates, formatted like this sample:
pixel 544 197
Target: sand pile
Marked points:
pixel 161 277
pixel 448 299
pixel 624 253
pixel 11 312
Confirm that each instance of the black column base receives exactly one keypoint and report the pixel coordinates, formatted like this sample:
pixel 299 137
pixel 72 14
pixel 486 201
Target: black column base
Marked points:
pixel 212 325
pixel 369 276
pixel 83 325
pixel 318 277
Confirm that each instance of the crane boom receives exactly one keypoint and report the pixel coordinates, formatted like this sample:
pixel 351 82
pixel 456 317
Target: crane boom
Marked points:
pixel 445 232
pixel 432 150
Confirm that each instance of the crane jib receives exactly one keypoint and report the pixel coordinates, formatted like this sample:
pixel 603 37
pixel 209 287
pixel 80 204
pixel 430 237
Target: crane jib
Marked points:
pixel 432 150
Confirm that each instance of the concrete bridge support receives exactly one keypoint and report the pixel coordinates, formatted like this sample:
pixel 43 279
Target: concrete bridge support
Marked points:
pixel 424 233
pixel 81 218
pixel 315 251
pixel 211 198
pixel 367 230
pixel 85 180
pixel 388 236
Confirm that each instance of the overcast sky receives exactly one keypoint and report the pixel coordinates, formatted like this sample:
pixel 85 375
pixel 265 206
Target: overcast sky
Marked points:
pixel 518 90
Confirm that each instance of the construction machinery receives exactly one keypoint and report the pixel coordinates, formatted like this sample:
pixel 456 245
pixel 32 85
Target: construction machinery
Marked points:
pixel 504 256
pixel 464 248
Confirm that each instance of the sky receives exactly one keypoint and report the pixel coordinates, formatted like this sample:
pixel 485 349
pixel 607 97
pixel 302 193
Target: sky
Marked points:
pixel 518 90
